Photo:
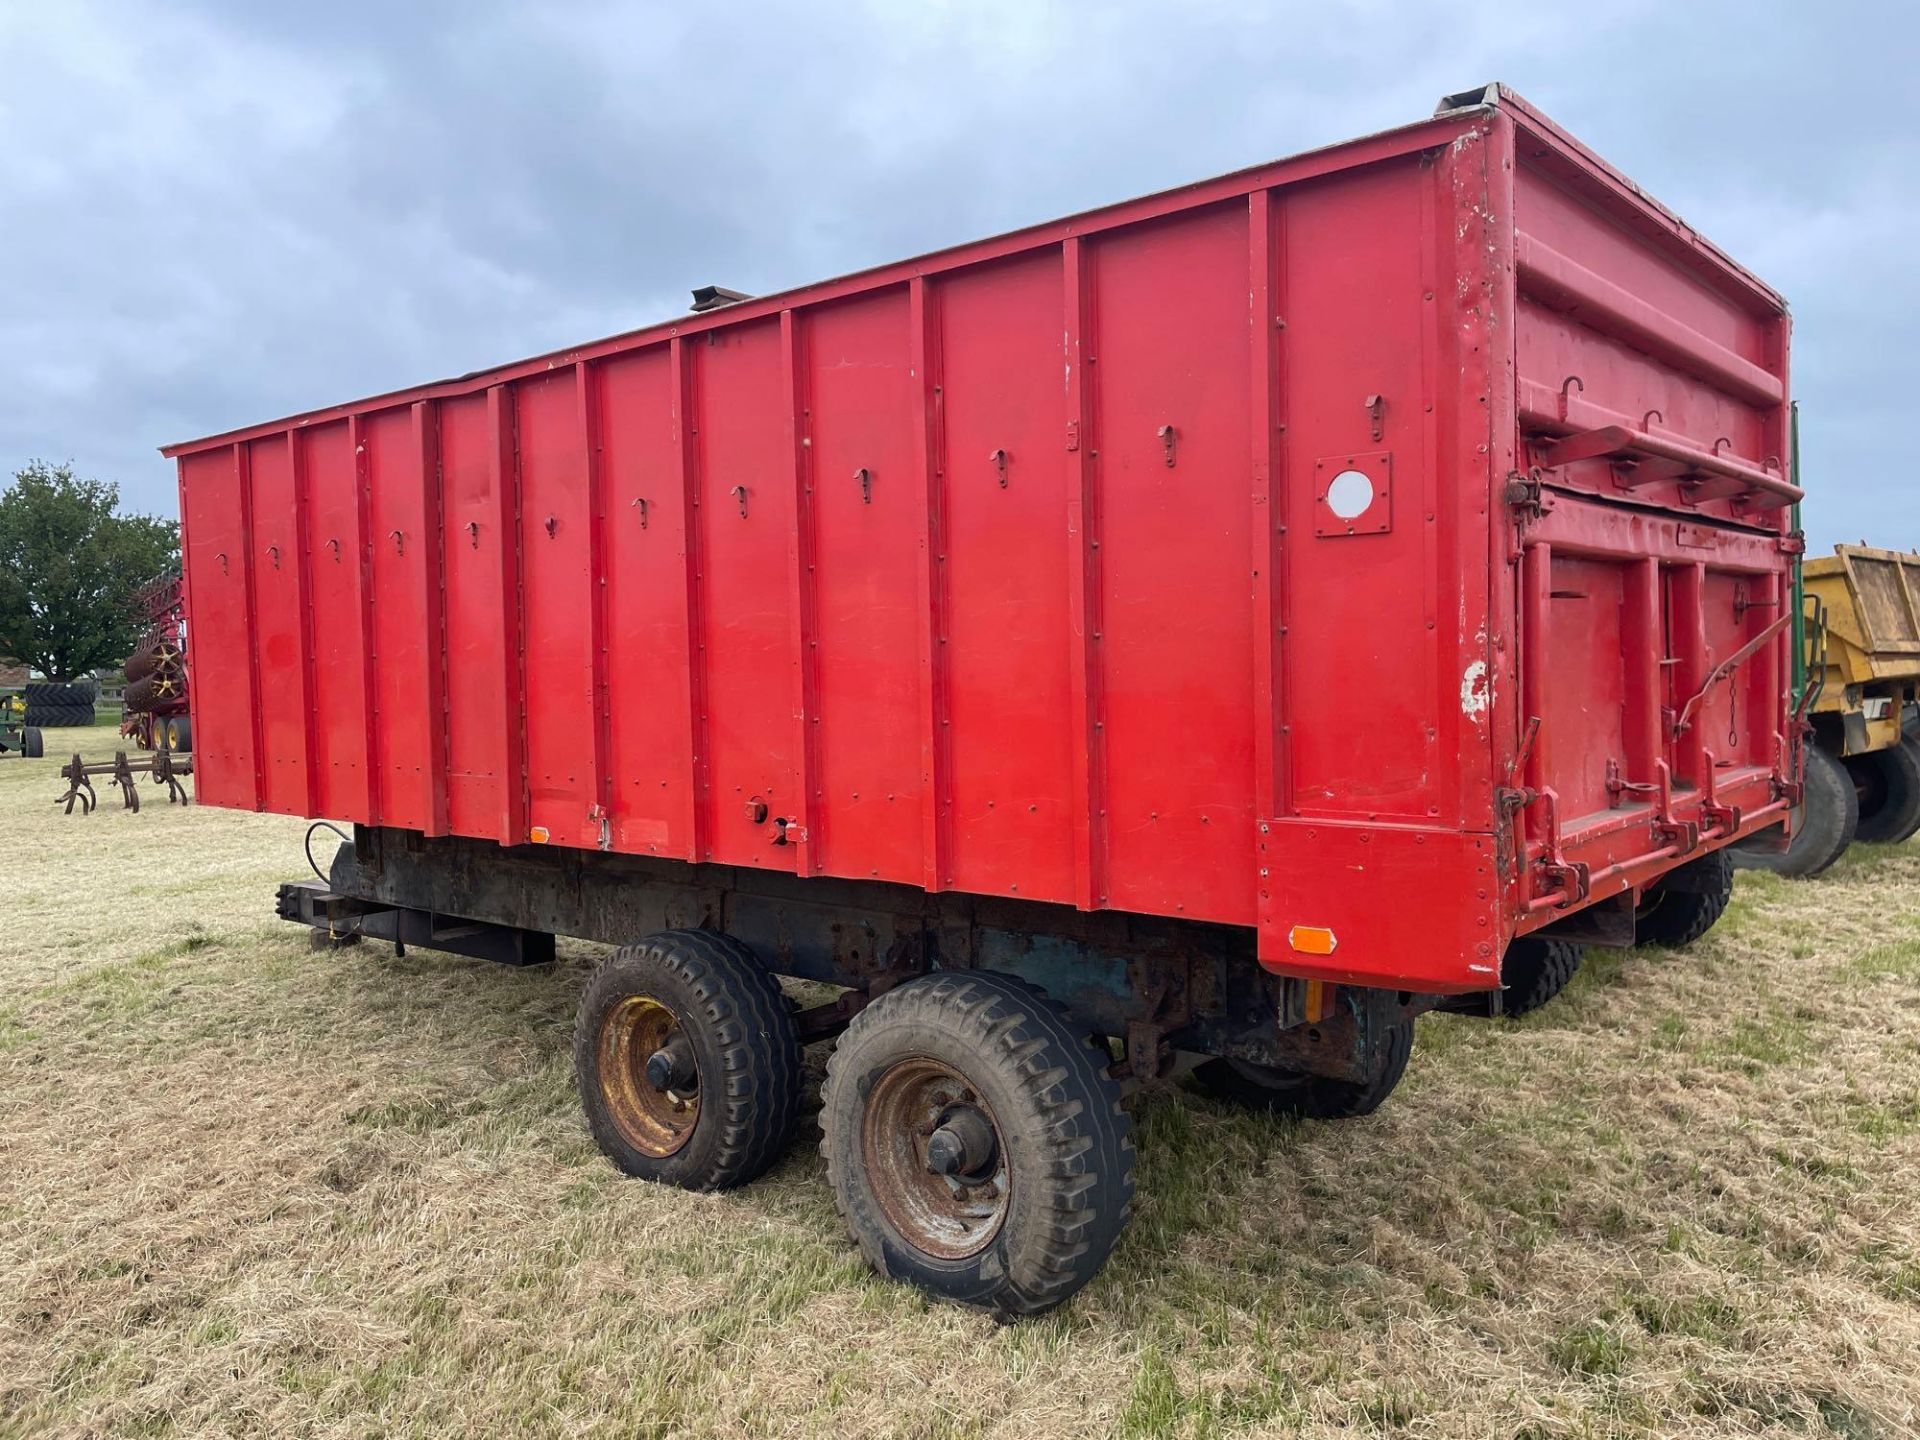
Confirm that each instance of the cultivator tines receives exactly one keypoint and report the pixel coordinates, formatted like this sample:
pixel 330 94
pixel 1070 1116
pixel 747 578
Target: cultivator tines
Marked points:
pixel 164 766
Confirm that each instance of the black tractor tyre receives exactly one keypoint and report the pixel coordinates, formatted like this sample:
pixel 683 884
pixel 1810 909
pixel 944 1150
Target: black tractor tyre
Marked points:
pixel 1827 818
pixel 180 734
pixel 1685 906
pixel 1304 1095
pixel 975 1143
pixel 33 744
pixel 1534 971
pixel 47 692
pixel 687 1061
pixel 59 716
pixel 1888 783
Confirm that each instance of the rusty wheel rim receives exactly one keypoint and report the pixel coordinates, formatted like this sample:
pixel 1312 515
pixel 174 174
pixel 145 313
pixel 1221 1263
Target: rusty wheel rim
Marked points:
pixel 656 1120
pixel 935 1158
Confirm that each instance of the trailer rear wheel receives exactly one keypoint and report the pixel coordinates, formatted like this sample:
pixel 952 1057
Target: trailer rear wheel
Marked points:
pixel 975 1143
pixel 1305 1095
pixel 1675 917
pixel 1534 971
pixel 1888 785
pixel 33 744
pixel 687 1061
pixel 1826 820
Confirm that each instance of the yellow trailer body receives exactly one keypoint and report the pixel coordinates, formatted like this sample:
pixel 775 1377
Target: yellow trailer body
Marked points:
pixel 1872 662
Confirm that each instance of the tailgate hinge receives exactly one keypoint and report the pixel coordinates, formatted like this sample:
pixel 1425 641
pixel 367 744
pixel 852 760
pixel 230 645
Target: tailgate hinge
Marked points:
pixel 1525 492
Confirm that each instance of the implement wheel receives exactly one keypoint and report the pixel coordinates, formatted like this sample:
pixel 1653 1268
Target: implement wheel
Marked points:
pixel 1687 902
pixel 1303 1094
pixel 33 744
pixel 687 1061
pixel 1824 823
pixel 975 1143
pixel 1888 785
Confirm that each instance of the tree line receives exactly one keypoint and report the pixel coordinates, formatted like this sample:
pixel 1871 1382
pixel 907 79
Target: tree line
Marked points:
pixel 70 564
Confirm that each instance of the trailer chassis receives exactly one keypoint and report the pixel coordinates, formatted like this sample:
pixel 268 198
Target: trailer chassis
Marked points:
pixel 1162 987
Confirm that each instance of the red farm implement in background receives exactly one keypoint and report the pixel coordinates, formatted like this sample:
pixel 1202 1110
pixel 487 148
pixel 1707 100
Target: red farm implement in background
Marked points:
pixel 157 713
pixel 1223 626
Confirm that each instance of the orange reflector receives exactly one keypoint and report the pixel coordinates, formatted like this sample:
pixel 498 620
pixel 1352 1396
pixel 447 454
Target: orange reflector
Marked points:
pixel 1311 939
pixel 538 835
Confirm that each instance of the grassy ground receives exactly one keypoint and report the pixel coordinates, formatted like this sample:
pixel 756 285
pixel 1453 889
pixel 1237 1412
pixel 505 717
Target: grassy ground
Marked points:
pixel 248 1189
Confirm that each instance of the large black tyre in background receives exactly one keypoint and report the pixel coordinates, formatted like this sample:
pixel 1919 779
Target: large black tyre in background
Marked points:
pixel 1308 1096
pixel 975 1143
pixel 687 1060
pixel 1686 902
pixel 52 716
pixel 1828 816
pixel 48 692
pixel 1888 784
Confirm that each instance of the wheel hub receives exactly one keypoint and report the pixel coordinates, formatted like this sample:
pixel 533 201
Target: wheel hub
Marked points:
pixel 964 1145
pixel 935 1158
pixel 671 1066
pixel 648 1076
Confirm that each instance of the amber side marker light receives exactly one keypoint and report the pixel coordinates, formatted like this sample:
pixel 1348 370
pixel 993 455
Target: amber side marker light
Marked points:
pixel 538 835
pixel 1312 939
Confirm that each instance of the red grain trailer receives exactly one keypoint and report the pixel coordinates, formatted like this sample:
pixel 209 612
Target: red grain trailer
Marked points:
pixel 1222 625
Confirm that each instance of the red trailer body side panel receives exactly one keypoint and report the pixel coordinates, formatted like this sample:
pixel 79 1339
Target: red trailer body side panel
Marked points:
pixel 280 612
pixel 405 553
pixel 749 731
pixel 1349 550
pixel 868 513
pixel 557 588
pixel 649 667
pixel 217 556
pixel 1172 624
pixel 1007 656
pixel 481 669
pixel 342 698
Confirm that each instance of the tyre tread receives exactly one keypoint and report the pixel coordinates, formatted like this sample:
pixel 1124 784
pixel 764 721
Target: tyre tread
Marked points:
pixel 1533 984
pixel 1091 1164
pixel 1683 916
pixel 759 1086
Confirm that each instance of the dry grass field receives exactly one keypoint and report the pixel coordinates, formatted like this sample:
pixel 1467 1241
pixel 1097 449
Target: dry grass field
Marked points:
pixel 249 1189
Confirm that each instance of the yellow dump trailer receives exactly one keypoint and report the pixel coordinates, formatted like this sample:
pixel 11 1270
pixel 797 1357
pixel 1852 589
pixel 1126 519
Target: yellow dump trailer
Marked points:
pixel 1871 673
pixel 1863 769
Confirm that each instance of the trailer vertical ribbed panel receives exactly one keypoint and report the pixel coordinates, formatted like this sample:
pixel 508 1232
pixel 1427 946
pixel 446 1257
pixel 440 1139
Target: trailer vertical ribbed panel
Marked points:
pixel 1383 550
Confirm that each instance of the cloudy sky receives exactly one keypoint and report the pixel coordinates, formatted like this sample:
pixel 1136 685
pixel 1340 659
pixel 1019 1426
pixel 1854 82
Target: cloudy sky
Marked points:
pixel 216 213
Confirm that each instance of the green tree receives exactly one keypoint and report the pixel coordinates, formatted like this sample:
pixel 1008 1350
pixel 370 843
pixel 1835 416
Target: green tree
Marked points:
pixel 69 565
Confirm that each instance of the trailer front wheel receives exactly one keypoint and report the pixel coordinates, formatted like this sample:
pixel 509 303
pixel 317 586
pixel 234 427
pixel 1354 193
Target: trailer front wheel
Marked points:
pixel 688 1061
pixel 975 1143
pixel 1308 1096
pixel 1686 903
